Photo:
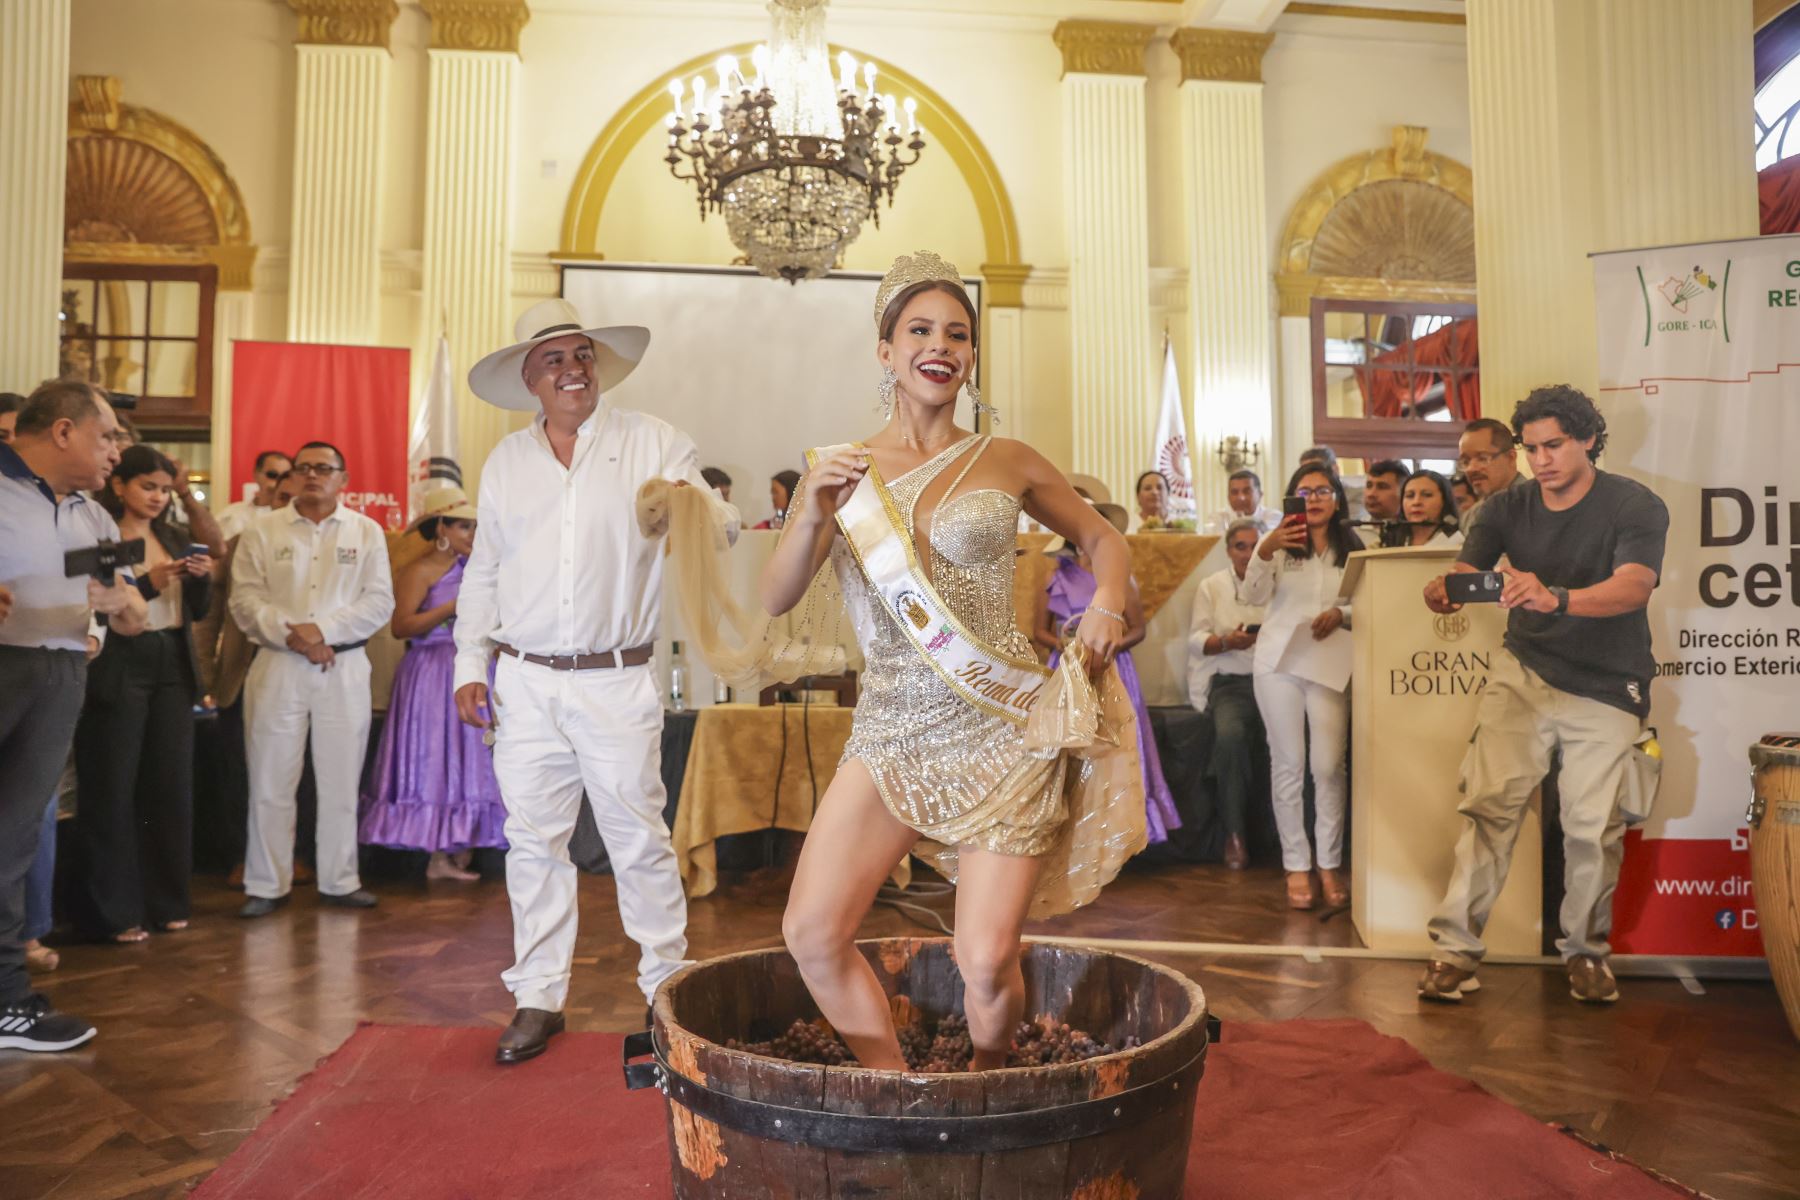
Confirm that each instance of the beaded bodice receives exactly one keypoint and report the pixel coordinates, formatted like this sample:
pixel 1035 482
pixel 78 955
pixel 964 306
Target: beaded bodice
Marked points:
pixel 973 535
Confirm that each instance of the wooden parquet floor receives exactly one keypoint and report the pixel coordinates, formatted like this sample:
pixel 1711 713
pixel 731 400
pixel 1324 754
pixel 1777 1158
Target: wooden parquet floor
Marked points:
pixel 201 1032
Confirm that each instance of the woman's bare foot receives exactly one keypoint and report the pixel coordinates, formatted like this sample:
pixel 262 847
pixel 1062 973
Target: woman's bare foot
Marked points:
pixel 39 957
pixel 171 926
pixel 440 867
pixel 128 937
pixel 1300 890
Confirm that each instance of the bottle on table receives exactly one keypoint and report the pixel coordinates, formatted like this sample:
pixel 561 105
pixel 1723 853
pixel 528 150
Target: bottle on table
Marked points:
pixel 677 679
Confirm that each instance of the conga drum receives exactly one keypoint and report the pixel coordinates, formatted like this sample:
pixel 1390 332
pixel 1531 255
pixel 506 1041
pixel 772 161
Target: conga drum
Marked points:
pixel 1774 820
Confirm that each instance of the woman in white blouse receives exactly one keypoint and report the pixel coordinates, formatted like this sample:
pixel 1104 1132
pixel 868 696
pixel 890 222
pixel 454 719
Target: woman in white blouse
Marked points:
pixel 1297 571
pixel 1221 643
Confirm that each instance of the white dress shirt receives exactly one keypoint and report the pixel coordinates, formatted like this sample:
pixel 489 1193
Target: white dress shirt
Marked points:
pixel 1265 518
pixel 559 565
pixel 1296 590
pixel 333 574
pixel 1219 609
pixel 235 518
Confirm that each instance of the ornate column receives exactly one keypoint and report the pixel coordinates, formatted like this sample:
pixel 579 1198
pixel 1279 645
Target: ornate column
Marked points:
pixel 470 131
pixel 340 132
pixel 1111 347
pixel 234 319
pixel 1580 145
pixel 1230 324
pixel 34 127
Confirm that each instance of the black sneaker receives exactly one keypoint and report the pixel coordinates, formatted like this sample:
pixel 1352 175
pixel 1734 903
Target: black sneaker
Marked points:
pixel 31 1024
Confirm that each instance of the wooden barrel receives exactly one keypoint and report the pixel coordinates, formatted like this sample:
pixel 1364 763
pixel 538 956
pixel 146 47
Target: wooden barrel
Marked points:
pixel 745 1126
pixel 1774 820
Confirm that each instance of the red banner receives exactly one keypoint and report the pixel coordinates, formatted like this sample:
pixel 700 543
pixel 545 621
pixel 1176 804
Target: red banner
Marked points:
pixel 285 394
pixel 1684 896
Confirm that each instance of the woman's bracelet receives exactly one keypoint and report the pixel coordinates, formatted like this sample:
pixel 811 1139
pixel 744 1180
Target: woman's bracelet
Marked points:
pixel 1106 612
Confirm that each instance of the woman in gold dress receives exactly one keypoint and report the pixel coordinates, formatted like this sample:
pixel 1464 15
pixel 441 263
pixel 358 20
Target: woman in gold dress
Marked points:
pixel 932 767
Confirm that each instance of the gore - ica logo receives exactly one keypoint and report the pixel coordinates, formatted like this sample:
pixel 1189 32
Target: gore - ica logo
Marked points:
pixel 1451 626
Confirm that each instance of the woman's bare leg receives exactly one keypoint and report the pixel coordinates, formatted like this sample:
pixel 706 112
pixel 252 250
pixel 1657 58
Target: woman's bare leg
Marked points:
pixel 993 895
pixel 849 852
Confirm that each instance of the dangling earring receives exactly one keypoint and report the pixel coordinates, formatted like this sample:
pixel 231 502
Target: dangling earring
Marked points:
pixel 885 391
pixel 443 544
pixel 993 414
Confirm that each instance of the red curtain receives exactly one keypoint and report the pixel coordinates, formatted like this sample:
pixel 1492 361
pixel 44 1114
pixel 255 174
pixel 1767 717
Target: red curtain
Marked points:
pixel 1778 189
pixel 284 394
pixel 1389 393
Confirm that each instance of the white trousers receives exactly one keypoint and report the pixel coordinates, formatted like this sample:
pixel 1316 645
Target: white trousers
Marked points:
pixel 561 732
pixel 1291 709
pixel 286 699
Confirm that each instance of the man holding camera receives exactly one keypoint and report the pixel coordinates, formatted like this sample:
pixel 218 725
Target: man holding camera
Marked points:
pixel 1585 549
pixel 62 447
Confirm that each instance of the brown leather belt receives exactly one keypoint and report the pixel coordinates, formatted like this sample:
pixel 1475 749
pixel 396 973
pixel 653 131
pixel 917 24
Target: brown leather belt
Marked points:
pixel 637 656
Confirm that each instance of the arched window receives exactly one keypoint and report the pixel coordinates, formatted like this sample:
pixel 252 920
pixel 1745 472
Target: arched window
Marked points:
pixel 1777 119
pixel 154 227
pixel 1379 254
pixel 1777 105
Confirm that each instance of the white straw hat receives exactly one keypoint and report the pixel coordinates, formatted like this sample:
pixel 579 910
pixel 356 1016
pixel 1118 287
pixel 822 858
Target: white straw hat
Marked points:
pixel 499 380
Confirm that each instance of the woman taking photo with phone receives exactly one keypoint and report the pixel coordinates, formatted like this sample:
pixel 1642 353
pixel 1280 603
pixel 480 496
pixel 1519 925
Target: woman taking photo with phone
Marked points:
pixel 134 745
pixel 1297 571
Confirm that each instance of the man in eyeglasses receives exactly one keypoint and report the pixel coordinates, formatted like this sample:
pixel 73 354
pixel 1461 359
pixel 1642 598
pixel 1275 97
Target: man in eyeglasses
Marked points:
pixel 271 465
pixel 309 585
pixel 1486 455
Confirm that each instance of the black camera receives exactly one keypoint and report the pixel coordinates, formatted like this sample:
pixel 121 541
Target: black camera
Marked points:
pixel 102 561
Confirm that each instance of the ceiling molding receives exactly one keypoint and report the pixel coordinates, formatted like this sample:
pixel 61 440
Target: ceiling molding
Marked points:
pixel 1304 8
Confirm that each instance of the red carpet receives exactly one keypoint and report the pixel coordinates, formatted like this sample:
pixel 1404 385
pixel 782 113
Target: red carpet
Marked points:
pixel 1295 1109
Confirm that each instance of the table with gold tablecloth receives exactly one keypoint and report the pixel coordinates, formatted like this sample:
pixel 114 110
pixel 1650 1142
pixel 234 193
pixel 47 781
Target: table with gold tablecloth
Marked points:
pixel 741 780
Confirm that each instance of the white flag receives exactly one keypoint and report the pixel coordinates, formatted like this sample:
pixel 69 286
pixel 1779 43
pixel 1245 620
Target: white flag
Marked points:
pixel 1170 450
pixel 431 452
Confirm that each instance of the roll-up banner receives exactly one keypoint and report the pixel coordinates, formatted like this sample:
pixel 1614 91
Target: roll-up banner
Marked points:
pixel 1700 385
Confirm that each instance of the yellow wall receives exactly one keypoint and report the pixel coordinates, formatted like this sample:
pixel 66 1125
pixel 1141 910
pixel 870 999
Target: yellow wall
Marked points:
pixel 226 69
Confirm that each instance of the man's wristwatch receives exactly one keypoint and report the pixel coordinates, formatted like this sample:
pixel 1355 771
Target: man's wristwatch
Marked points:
pixel 1562 601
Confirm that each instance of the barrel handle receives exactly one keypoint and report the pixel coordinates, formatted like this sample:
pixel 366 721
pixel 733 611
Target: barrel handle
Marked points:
pixel 640 1075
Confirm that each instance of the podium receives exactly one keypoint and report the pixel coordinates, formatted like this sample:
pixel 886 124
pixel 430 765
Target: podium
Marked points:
pixel 1415 684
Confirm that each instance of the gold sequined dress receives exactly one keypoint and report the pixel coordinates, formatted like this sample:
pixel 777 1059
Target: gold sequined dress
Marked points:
pixel 959 776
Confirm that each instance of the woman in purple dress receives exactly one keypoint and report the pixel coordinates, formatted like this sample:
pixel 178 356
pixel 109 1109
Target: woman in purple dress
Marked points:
pixel 1066 597
pixel 434 787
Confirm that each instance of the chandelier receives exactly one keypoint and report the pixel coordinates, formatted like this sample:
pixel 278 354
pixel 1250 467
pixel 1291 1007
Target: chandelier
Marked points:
pixel 795 159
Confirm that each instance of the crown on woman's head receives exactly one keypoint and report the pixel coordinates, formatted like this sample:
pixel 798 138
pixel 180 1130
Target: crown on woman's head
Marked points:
pixel 908 269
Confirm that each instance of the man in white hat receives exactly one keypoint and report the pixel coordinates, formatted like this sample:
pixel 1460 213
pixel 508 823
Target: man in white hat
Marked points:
pixel 567 590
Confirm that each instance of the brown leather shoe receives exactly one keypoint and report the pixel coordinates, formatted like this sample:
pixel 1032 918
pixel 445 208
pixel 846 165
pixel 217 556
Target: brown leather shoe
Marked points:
pixel 1332 884
pixel 1237 855
pixel 528 1036
pixel 1300 893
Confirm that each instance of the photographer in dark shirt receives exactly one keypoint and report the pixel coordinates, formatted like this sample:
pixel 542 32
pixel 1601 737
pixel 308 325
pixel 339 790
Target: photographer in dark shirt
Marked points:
pixel 1585 550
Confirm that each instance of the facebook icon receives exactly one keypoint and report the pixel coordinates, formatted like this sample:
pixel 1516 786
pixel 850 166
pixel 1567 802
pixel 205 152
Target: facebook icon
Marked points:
pixel 1724 918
